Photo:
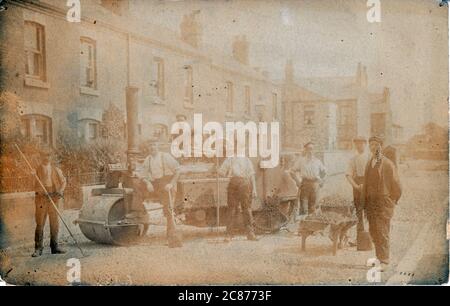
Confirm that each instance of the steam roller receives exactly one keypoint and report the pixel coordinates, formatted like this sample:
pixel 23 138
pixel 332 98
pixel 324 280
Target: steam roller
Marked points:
pixel 103 217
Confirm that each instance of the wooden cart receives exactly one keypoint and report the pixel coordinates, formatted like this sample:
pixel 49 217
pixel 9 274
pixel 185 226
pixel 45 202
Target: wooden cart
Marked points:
pixel 337 219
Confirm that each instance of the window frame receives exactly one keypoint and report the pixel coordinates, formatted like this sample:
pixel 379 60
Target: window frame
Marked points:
pixel 39 79
pixel 159 79
pixel 92 64
pixel 161 132
pixel 247 100
pixel 96 129
pixel 230 97
pixel 312 111
pixel 188 98
pixel 345 112
pixel 275 113
pixel 84 129
pixel 31 133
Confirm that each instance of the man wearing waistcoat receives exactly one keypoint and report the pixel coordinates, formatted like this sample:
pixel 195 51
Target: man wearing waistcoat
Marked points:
pixel 381 192
pixel 161 173
pixel 54 182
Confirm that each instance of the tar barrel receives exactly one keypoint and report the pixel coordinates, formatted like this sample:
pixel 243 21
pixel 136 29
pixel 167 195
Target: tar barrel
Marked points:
pixel 101 219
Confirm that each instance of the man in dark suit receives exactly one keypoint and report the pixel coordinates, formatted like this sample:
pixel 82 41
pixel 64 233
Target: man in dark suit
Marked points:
pixel 54 182
pixel 381 192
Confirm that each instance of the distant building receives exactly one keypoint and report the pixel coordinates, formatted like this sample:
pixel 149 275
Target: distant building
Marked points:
pixel 398 136
pixel 331 111
pixel 75 74
pixel 431 143
pixel 381 116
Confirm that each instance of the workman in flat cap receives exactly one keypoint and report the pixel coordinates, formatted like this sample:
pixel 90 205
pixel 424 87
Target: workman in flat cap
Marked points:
pixel 50 184
pixel 311 178
pixel 161 173
pixel 381 192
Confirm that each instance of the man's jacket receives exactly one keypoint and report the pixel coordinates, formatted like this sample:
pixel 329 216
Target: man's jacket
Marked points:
pixel 389 186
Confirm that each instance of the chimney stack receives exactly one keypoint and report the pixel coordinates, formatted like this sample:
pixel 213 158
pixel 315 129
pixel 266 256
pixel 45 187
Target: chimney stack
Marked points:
pixel 241 49
pixel 132 104
pixel 191 30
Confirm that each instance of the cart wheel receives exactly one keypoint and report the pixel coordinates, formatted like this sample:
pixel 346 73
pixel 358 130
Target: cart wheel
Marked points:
pixel 272 218
pixel 292 209
pixel 144 232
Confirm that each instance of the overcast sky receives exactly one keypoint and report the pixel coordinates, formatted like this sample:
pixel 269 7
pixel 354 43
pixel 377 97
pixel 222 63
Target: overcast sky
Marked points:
pixel 406 51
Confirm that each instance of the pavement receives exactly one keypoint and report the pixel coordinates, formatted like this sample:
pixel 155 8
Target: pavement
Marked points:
pixel 419 250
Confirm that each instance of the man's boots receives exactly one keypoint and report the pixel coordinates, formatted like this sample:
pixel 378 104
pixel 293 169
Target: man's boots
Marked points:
pixel 251 236
pixel 57 250
pixel 37 252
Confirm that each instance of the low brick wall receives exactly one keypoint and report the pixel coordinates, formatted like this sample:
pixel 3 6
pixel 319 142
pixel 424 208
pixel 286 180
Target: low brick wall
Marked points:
pixel 17 221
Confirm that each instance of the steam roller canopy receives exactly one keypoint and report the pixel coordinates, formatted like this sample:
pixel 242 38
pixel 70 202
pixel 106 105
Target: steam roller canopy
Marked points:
pixel 101 217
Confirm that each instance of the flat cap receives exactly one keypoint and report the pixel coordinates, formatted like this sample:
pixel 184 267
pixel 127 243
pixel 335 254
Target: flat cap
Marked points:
pixel 376 139
pixel 308 143
pixel 46 152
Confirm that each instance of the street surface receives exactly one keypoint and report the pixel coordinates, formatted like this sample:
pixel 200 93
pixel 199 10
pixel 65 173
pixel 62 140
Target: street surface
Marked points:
pixel 419 250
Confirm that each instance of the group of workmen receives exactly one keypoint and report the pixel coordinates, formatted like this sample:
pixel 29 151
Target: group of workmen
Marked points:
pixel 373 177
pixel 376 188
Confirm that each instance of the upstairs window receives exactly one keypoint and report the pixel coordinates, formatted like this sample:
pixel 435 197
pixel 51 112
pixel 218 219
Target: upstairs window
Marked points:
pixel 159 77
pixel 88 63
pixel 188 87
pixel 229 88
pixel 34 35
pixel 309 115
pixel 345 115
pixel 248 106
pixel 275 106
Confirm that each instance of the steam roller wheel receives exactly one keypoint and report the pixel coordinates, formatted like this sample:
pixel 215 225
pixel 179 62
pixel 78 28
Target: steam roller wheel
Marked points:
pixel 101 221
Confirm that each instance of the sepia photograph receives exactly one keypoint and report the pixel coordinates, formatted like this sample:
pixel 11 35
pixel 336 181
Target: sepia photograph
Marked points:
pixel 224 143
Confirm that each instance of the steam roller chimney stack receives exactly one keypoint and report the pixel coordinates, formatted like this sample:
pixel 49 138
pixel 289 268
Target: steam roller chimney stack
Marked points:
pixel 132 104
